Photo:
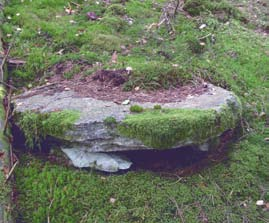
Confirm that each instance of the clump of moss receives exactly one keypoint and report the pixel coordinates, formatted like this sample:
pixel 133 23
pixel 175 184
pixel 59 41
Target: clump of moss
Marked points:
pixel 114 23
pixel 110 121
pixel 37 126
pixel 136 109
pixel 157 107
pixel 166 129
pixel 116 9
pixel 196 46
pixel 107 42
pixel 153 75
pixel 223 8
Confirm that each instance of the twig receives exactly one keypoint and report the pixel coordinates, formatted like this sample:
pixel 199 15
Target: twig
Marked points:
pixel 76 4
pixel 51 202
pixel 264 220
pixel 179 211
pixel 8 85
pixel 5 59
pixel 203 37
pixel 175 12
pixel 11 171
pixel 7 110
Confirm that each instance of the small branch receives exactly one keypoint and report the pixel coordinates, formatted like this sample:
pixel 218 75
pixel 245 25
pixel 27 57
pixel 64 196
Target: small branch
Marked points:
pixel 5 59
pixel 203 37
pixel 176 8
pixel 51 202
pixel 179 212
pixel 8 85
pixel 7 110
pixel 76 4
pixel 11 171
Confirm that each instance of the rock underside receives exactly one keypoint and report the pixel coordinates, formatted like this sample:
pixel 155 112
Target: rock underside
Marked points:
pixel 106 126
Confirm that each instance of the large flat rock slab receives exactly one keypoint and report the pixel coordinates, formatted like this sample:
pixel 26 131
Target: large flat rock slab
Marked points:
pixel 91 131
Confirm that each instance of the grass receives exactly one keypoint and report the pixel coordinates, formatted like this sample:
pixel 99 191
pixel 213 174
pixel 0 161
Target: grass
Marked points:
pixel 226 53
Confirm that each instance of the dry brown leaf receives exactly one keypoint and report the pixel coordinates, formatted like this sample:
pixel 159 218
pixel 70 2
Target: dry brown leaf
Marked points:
pixel 114 57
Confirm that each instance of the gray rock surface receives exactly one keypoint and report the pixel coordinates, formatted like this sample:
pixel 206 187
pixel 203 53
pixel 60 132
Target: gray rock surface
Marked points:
pixel 92 133
pixel 81 157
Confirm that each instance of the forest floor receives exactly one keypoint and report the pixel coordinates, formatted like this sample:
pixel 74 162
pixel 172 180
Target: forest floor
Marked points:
pixel 221 42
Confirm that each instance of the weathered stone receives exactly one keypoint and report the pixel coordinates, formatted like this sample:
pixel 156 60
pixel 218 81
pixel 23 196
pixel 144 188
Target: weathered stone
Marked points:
pixel 92 131
pixel 81 157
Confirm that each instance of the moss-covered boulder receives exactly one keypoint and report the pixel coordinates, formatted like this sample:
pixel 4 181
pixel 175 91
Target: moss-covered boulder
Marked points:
pixel 105 126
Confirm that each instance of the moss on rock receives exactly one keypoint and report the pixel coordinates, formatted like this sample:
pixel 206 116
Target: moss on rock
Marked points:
pixel 167 128
pixel 37 126
pixel 136 109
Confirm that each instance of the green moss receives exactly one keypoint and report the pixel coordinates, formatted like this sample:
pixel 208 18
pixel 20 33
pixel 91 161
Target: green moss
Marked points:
pixel 110 121
pixel 153 75
pixel 197 46
pixel 136 109
pixel 37 126
pixel 107 42
pixel 114 23
pixel 238 60
pixel 157 107
pixel 142 196
pixel 167 128
pixel 116 9
pixel 220 7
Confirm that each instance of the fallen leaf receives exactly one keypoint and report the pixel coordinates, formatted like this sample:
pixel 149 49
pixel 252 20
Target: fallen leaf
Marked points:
pixel 114 57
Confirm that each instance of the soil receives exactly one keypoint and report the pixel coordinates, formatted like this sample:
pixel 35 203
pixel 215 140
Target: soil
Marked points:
pixel 108 85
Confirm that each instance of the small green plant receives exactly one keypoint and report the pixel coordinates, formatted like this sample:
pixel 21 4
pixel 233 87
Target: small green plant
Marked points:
pixel 37 126
pixel 136 109
pixel 157 107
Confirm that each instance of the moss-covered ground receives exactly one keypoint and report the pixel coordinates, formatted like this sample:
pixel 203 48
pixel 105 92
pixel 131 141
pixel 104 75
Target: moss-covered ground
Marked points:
pixel 226 52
